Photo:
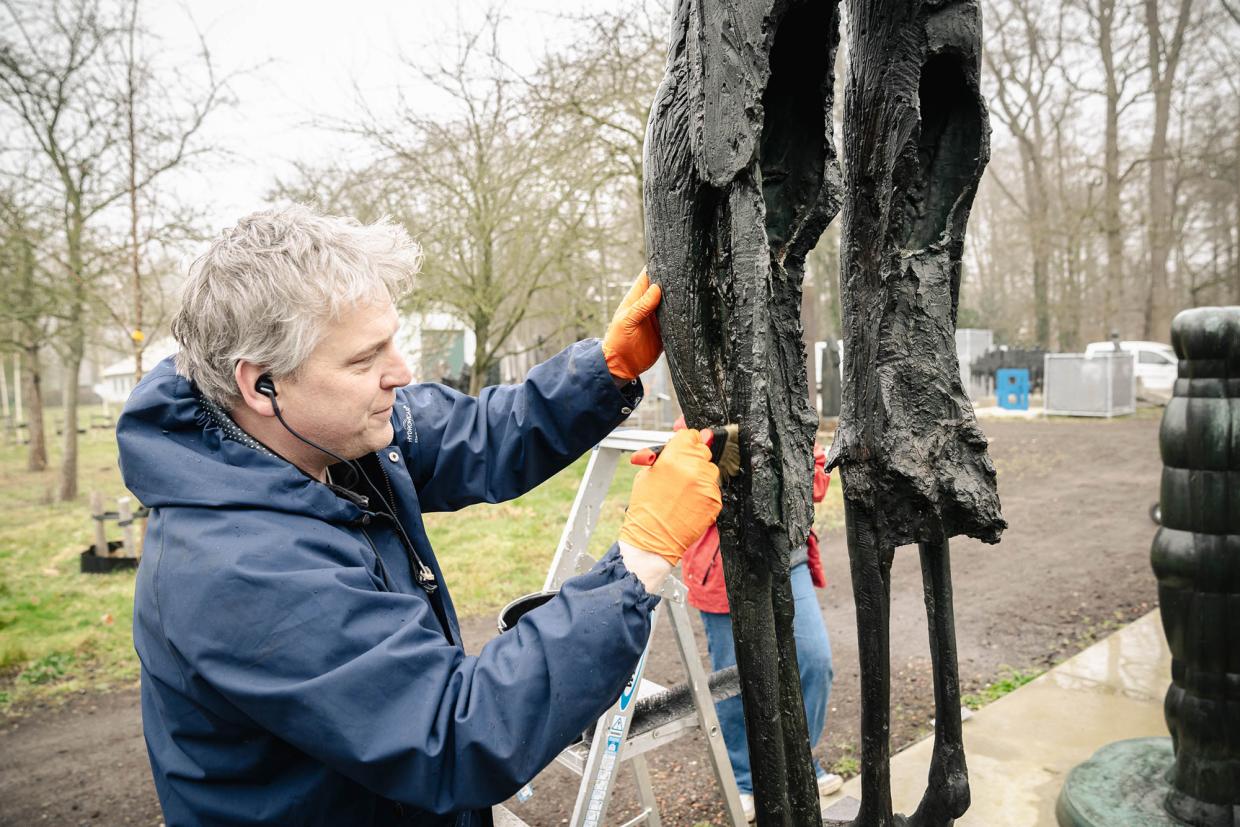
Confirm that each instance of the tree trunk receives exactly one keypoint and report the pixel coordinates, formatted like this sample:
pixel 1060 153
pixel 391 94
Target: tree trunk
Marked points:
pixel 5 412
pixel 1164 61
pixel 810 336
pixel 482 359
pixel 18 414
pixel 1039 239
pixel 1158 231
pixel 1234 246
pixel 32 379
pixel 69 457
pixel 477 379
pixel 1069 229
pixel 830 280
pixel 137 335
pixel 1070 324
pixel 74 349
pixel 1112 223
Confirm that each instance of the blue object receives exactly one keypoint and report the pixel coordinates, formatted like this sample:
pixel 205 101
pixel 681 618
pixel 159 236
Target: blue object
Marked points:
pixel 813 658
pixel 1012 388
pixel 293 673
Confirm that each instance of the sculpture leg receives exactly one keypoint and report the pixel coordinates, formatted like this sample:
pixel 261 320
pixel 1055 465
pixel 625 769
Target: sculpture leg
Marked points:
pixel 749 594
pixel 947 788
pixel 802 786
pixel 870 565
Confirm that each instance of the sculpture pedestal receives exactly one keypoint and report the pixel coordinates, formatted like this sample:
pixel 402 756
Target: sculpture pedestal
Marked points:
pixel 1123 784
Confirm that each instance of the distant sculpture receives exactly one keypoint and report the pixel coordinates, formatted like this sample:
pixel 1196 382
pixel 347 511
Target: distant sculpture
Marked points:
pixel 740 180
pixel 1196 557
pixel 912 457
pixel 1193 778
pixel 829 380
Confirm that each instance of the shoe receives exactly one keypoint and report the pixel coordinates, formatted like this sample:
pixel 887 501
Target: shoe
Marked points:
pixel 829 783
pixel 747 807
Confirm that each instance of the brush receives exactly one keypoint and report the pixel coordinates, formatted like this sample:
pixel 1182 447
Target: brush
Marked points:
pixel 725 450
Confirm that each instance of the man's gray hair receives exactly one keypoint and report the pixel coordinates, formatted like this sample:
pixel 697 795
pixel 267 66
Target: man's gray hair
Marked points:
pixel 266 288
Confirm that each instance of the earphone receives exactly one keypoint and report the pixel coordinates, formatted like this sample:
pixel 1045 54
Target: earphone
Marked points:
pixel 267 387
pixel 422 574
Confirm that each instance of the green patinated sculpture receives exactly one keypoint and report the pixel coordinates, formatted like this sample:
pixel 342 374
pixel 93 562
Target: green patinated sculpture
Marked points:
pixel 1195 778
pixel 1196 557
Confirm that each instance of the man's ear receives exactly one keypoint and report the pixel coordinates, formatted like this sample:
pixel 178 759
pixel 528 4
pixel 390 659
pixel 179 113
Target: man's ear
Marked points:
pixel 247 375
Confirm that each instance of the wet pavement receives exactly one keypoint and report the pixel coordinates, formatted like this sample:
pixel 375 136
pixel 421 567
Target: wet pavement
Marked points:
pixel 1021 747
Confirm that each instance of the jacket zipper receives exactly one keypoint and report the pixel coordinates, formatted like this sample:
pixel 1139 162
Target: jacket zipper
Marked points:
pixel 711 566
pixel 421 572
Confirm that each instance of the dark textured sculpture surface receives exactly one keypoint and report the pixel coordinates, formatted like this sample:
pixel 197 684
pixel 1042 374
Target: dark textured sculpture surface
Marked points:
pixel 740 180
pixel 1196 557
pixel 912 458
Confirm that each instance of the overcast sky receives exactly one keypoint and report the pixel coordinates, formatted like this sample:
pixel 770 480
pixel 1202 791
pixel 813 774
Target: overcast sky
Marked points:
pixel 300 59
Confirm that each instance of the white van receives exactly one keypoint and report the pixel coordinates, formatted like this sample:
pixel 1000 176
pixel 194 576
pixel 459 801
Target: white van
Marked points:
pixel 1155 363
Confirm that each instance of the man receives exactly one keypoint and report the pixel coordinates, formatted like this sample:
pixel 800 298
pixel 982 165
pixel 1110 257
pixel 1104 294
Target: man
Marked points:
pixel 301 658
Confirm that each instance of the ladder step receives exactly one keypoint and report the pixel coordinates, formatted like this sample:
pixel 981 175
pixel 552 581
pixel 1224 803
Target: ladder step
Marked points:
pixel 504 817
pixel 574 757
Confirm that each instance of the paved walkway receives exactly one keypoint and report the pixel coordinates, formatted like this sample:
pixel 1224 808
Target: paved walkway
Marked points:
pixel 1021 747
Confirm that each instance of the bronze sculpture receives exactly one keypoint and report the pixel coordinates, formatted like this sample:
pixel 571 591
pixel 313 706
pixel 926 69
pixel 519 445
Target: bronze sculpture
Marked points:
pixel 912 457
pixel 1192 778
pixel 1196 557
pixel 741 179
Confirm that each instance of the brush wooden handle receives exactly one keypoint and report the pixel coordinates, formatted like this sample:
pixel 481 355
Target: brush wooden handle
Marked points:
pixel 715 438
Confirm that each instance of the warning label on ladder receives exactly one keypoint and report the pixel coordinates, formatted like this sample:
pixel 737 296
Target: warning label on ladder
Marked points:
pixel 607 765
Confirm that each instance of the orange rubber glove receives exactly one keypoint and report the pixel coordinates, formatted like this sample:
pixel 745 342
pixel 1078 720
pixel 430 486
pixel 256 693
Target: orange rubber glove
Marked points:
pixel 632 342
pixel 675 500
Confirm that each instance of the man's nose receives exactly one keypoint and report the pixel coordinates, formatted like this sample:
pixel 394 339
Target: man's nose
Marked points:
pixel 397 375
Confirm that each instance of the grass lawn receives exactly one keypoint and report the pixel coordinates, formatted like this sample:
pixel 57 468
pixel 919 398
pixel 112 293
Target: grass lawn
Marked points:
pixel 62 631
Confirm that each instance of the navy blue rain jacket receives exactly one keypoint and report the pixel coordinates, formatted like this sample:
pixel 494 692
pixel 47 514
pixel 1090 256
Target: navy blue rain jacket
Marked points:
pixel 293 672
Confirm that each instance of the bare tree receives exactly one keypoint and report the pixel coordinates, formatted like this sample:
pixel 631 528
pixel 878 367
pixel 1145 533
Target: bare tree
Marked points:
pixel 993 263
pixel 1116 42
pixel 1024 57
pixel 1165 51
pixel 497 198
pixel 1205 176
pixel 48 80
pixel 601 86
pixel 162 116
pixel 27 307
pixel 1072 228
pixel 58 82
pixel 365 192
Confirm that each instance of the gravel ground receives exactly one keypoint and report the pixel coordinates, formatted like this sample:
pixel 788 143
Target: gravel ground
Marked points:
pixel 1073 565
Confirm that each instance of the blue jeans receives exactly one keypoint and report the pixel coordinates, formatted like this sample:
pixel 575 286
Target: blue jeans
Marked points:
pixel 813 658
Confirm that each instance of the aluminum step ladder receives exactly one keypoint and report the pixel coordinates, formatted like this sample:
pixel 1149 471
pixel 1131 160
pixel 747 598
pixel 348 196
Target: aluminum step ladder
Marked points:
pixel 599 762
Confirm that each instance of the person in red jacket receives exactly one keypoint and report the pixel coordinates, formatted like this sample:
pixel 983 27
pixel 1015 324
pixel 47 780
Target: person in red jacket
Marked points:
pixel 703 576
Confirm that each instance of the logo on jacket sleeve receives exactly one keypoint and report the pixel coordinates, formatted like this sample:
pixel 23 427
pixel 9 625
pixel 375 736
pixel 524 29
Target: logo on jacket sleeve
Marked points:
pixel 411 435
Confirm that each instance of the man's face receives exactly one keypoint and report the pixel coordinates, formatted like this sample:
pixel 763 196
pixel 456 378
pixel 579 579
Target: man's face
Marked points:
pixel 342 397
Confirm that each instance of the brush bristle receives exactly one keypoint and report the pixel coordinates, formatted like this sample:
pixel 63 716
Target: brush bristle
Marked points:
pixel 730 459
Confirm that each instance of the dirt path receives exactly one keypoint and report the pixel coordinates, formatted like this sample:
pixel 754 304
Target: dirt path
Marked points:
pixel 1073 565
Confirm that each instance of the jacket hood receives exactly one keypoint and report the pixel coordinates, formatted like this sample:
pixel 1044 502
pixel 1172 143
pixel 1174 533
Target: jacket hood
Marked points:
pixel 176 449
